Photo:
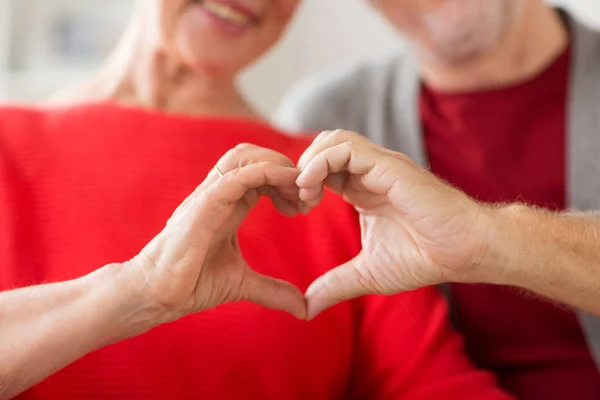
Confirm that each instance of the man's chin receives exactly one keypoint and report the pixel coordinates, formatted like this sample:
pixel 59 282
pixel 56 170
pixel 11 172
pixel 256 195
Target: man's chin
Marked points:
pixel 450 55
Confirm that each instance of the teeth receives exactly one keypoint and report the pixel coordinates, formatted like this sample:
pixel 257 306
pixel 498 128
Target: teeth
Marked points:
pixel 226 13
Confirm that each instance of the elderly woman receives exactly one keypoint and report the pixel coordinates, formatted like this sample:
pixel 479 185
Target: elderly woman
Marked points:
pixel 89 182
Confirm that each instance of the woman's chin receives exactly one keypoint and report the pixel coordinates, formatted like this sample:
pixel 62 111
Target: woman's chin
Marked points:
pixel 210 61
pixel 207 55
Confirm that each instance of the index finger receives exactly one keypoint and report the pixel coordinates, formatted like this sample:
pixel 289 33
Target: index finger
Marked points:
pixel 242 155
pixel 327 139
pixel 216 203
pixel 235 184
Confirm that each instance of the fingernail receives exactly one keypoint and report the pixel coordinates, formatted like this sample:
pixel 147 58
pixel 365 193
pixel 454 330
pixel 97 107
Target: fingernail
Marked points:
pixel 300 206
pixel 303 316
pixel 299 180
pixel 302 195
pixel 311 315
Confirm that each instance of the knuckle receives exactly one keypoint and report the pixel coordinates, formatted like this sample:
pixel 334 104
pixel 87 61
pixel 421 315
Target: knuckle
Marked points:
pixel 267 165
pixel 236 157
pixel 322 135
pixel 338 135
pixel 347 135
pixel 275 157
pixel 239 151
pixel 236 154
pixel 235 174
pixel 246 146
pixel 400 157
pixel 211 199
pixel 245 175
pixel 231 155
pixel 350 145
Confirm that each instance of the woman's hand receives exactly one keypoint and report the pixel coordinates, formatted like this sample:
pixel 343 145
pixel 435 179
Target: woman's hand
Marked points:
pixel 192 265
pixel 416 230
pixel 195 263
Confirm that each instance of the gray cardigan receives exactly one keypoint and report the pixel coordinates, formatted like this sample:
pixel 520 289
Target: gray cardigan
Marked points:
pixel 380 100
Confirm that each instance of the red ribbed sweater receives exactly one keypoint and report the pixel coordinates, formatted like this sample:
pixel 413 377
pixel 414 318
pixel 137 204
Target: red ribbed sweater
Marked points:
pixel 83 187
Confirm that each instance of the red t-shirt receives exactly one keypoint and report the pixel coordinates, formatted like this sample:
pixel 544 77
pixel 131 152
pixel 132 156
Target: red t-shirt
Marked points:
pixel 84 187
pixel 508 145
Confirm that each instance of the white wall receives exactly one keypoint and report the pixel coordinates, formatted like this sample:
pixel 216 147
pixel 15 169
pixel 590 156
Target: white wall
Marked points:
pixel 331 32
pixel 5 12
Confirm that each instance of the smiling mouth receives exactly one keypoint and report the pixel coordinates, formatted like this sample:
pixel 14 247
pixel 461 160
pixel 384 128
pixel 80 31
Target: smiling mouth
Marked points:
pixel 228 13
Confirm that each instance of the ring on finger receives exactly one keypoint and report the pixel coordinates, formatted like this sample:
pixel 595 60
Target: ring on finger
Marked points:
pixel 218 171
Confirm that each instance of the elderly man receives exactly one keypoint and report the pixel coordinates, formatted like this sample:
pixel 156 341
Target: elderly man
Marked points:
pixel 500 98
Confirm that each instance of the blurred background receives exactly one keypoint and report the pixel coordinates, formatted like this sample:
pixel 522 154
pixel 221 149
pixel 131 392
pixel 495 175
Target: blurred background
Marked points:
pixel 48 44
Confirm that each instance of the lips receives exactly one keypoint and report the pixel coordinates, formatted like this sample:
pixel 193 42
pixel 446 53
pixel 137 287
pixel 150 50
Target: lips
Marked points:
pixel 228 12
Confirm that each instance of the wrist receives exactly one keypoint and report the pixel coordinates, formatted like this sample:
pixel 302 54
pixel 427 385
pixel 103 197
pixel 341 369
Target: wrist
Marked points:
pixel 510 228
pixel 497 259
pixel 114 298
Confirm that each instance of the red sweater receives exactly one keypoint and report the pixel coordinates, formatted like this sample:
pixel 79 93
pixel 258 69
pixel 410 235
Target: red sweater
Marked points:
pixel 87 186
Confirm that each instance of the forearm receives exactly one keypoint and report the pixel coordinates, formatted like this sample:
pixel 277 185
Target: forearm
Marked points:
pixel 44 328
pixel 554 255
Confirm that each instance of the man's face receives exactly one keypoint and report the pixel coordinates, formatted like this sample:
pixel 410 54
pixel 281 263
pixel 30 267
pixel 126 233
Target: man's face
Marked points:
pixel 451 31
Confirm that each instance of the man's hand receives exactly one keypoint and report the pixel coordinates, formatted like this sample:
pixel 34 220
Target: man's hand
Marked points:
pixel 195 263
pixel 416 230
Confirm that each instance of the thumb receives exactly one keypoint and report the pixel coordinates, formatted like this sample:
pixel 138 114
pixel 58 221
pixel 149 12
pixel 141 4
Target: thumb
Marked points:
pixel 340 284
pixel 274 294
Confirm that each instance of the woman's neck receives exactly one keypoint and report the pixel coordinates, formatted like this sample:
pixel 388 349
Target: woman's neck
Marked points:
pixel 143 75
